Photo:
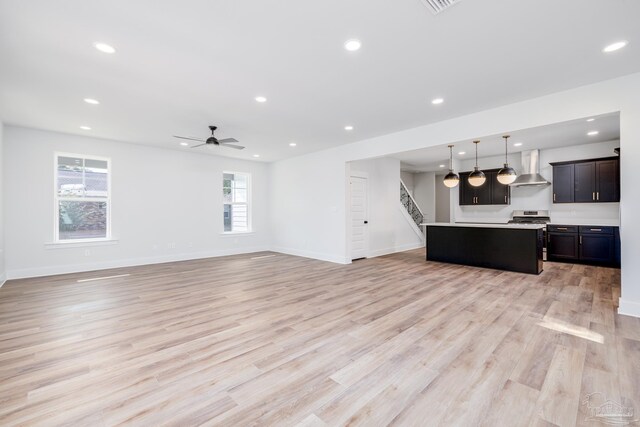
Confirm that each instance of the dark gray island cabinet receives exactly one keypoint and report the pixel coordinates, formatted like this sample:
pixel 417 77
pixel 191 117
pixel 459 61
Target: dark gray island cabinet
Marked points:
pixel 510 247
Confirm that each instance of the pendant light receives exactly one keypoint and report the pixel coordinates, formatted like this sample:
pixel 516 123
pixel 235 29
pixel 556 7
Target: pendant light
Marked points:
pixel 477 177
pixel 451 179
pixel 507 174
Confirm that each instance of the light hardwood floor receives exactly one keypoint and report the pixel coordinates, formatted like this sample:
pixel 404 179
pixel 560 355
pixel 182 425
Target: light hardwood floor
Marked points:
pixel 283 340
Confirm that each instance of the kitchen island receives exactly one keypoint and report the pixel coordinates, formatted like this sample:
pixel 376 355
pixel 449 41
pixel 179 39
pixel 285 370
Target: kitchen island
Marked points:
pixel 512 247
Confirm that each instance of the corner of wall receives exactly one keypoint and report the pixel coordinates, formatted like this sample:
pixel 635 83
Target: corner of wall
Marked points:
pixel 3 275
pixel 629 308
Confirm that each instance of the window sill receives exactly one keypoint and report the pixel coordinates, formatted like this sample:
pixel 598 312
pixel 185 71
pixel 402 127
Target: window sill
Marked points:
pixel 237 233
pixel 81 243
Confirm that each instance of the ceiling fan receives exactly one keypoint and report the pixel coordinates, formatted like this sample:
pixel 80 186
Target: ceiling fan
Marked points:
pixel 212 140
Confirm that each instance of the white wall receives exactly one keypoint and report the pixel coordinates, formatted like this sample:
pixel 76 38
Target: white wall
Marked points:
pixel 390 229
pixel 408 179
pixel 166 204
pixel 443 200
pixel 3 275
pixel 424 189
pixel 533 198
pixel 323 174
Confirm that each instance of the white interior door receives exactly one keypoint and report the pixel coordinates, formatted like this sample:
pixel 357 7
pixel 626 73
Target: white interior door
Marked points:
pixel 359 218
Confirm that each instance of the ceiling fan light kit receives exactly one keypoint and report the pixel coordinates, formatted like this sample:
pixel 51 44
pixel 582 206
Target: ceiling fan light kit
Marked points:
pixel 212 140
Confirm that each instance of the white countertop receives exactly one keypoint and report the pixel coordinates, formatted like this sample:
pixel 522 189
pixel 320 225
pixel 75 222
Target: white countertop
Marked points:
pixel 595 223
pixel 485 225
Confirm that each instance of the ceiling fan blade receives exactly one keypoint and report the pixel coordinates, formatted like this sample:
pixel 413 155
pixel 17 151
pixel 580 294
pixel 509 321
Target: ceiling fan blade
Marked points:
pixel 189 138
pixel 199 145
pixel 237 147
pixel 227 140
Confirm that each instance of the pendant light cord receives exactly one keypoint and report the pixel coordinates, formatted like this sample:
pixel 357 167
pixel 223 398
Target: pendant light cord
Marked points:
pixel 450 158
pixel 476 143
pixel 506 150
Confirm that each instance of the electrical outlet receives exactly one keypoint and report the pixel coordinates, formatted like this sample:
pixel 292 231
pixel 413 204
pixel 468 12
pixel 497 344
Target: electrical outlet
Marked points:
pixel 87 252
pixel 171 245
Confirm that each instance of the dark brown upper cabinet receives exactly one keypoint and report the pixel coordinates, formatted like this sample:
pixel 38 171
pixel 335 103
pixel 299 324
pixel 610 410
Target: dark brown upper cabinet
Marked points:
pixel 489 193
pixel 587 181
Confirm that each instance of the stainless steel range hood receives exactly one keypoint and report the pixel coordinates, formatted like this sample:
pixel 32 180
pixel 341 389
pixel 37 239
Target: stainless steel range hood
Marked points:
pixel 530 175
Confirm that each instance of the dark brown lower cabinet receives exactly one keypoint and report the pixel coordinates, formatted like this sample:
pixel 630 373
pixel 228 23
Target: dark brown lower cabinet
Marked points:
pixel 563 247
pixel 584 244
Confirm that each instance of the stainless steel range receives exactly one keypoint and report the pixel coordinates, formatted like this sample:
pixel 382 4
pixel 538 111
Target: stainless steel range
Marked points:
pixel 533 217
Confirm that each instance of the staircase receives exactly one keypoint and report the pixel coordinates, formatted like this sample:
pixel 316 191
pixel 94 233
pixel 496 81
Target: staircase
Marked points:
pixel 411 207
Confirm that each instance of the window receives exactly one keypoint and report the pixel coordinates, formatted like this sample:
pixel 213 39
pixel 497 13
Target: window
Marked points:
pixel 235 195
pixel 82 198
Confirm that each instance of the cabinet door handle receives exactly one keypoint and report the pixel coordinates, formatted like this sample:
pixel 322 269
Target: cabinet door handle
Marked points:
pixel 598 195
pixel 505 199
pixel 554 197
pixel 596 229
pixel 593 195
pixel 563 228
pixel 580 239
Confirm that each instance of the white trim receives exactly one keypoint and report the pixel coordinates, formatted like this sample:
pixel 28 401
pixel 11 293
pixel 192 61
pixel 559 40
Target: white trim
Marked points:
pixel 310 254
pixel 411 197
pixel 56 197
pixel 237 233
pixel 359 174
pixel 80 243
pixel 3 279
pixel 77 268
pixel 395 249
pixel 412 223
pixel 629 308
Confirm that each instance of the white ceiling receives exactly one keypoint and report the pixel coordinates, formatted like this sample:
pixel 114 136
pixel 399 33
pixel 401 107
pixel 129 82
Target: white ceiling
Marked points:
pixel 181 66
pixel 544 137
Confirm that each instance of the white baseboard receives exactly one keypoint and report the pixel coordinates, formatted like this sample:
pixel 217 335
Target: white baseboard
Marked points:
pixel 629 308
pixel 393 250
pixel 77 268
pixel 311 254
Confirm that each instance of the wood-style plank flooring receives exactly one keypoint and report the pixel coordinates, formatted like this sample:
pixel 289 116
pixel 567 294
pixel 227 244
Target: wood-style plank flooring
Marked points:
pixel 282 340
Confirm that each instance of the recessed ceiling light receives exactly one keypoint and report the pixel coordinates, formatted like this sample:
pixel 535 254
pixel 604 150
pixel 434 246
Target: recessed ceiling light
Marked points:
pixel 85 128
pixel 103 47
pixel 348 127
pixel 261 99
pixel 591 119
pixel 256 155
pixel 292 144
pixel 592 133
pixel 184 144
pixel 437 101
pixel 91 101
pixel 615 46
pixel 441 166
pixel 518 144
pixel 352 45
pixel 462 153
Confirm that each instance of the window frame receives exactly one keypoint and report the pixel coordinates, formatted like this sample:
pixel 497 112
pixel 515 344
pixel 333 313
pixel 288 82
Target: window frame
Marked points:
pixel 57 198
pixel 248 203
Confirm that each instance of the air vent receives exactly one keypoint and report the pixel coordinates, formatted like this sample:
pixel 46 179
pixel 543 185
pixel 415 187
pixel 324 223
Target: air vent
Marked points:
pixel 438 6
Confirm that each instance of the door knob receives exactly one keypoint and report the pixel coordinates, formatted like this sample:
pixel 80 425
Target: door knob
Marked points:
pixel 366 222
